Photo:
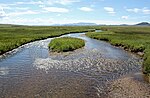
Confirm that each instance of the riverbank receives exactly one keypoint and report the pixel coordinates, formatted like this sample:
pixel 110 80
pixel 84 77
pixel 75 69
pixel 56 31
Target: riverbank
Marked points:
pixel 13 37
pixel 134 39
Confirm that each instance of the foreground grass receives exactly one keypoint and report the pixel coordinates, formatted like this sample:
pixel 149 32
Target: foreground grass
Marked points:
pixel 65 44
pixel 135 39
pixel 14 36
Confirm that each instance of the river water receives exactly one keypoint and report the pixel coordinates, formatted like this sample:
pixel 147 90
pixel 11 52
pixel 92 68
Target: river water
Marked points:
pixel 31 71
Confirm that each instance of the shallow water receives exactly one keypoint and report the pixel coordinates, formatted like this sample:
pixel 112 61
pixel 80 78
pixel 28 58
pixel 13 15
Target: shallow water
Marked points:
pixel 32 71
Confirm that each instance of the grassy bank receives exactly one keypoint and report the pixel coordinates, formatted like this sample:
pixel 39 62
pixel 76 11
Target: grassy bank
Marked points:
pixel 65 44
pixel 14 36
pixel 135 39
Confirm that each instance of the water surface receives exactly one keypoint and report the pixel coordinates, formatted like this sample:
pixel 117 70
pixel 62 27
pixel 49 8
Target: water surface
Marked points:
pixel 32 71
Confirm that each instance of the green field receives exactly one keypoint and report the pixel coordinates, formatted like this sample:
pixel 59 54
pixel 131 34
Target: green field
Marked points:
pixel 65 44
pixel 12 36
pixel 134 39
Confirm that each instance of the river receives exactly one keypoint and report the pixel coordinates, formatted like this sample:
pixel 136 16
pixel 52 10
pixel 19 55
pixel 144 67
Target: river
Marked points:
pixel 31 71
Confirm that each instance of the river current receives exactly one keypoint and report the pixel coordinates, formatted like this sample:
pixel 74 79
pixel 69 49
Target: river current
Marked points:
pixel 32 71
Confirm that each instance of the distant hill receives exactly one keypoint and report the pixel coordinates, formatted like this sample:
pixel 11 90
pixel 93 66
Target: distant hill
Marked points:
pixel 77 24
pixel 143 24
pixel 124 25
pixel 5 25
pixel 82 24
pixel 10 25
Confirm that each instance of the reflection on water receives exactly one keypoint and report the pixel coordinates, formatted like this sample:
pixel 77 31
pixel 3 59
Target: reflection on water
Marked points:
pixel 32 72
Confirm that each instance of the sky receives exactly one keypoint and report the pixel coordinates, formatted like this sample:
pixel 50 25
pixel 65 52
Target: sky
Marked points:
pixel 49 12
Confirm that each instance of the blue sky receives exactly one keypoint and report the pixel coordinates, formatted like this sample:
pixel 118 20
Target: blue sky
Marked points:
pixel 48 12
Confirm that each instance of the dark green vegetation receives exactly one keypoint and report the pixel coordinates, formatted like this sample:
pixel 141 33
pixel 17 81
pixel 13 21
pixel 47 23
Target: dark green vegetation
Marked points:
pixel 134 39
pixel 13 36
pixel 65 44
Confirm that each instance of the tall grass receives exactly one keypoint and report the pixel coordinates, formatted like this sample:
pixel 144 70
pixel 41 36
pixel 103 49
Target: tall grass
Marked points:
pixel 135 39
pixel 65 44
pixel 13 37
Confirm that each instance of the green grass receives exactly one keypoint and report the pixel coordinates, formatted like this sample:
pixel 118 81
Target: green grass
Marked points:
pixel 65 44
pixel 135 39
pixel 15 36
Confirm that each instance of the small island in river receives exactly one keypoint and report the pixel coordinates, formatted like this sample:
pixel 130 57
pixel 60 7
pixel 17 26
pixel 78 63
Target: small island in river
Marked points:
pixel 65 44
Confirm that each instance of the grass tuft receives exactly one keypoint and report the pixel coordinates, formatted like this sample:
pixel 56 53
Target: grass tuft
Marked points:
pixel 65 44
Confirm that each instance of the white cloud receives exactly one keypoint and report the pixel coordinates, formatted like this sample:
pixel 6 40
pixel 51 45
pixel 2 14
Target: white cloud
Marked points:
pixel 146 11
pixel 56 9
pixel 58 15
pixel 51 2
pixel 26 21
pixel 4 6
pixel 63 2
pixel 21 8
pixel 12 7
pixel 125 17
pixel 135 10
pixel 31 2
pixel 29 12
pixel 138 10
pixel 41 6
pixel 86 9
pixel 2 13
pixel 109 10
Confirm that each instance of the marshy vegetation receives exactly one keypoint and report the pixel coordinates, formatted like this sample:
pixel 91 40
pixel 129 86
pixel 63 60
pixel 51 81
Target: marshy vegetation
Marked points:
pixel 14 36
pixel 135 39
pixel 65 44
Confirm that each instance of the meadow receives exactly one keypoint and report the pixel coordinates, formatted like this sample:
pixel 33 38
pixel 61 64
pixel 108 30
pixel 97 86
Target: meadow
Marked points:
pixel 132 38
pixel 13 36
pixel 65 44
